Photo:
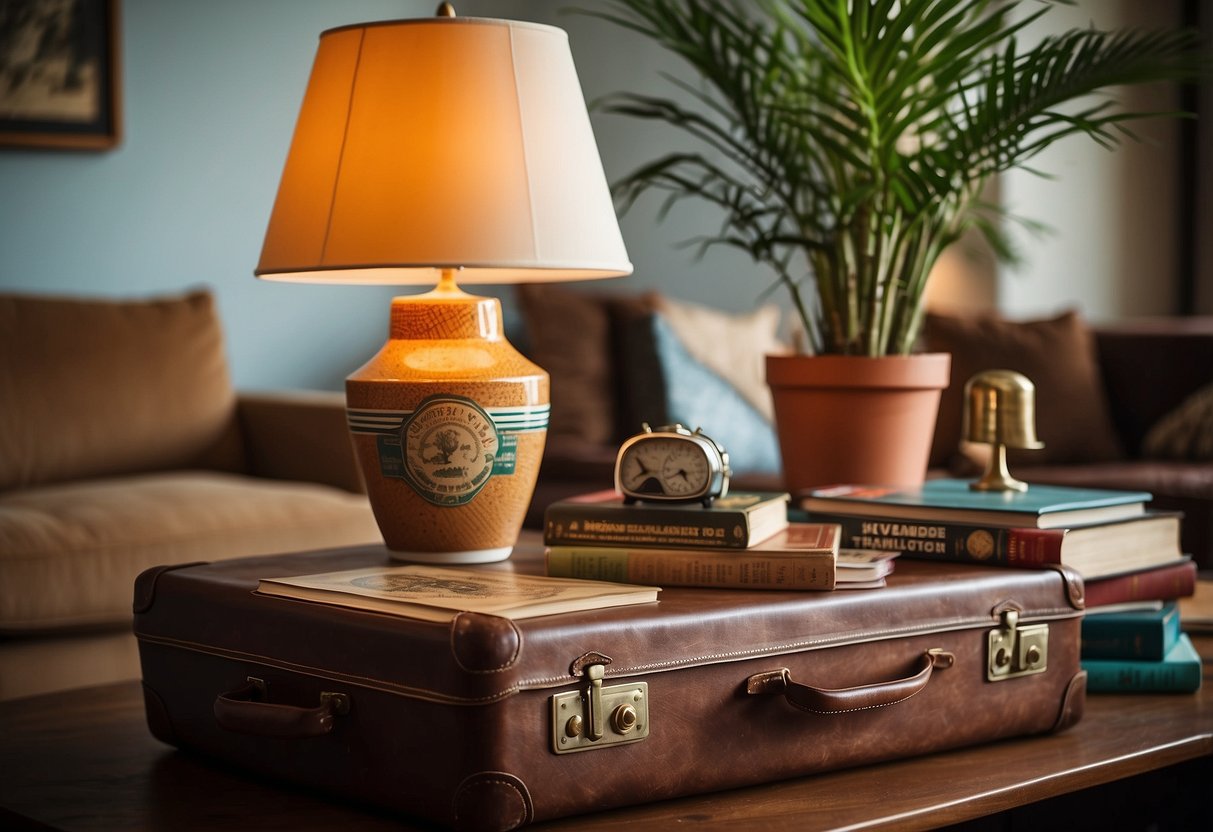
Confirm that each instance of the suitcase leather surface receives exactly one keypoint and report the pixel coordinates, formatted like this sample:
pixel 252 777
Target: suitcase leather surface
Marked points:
pixel 453 722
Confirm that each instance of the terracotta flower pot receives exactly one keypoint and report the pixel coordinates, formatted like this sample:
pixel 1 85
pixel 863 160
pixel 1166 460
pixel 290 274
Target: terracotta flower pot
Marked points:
pixel 852 419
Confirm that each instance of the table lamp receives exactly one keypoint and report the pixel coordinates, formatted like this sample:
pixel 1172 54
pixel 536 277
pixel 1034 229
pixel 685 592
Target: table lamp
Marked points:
pixel 429 151
pixel 1000 410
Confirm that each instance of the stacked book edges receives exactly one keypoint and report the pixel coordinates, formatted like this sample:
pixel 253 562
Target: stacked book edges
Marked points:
pixel 1139 648
pixel 741 541
pixel 1128 553
pixel 1097 532
pixel 1107 536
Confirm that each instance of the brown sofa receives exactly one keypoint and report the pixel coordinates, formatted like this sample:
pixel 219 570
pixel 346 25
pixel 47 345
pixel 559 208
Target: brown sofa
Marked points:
pixel 124 446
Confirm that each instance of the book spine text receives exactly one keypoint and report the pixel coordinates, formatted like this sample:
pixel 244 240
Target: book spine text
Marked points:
pixel 726 570
pixel 571 525
pixel 954 542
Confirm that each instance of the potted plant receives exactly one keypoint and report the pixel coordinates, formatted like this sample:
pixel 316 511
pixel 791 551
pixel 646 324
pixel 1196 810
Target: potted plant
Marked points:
pixel 848 143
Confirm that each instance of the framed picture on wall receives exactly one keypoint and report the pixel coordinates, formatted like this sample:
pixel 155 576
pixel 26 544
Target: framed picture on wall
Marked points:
pixel 59 74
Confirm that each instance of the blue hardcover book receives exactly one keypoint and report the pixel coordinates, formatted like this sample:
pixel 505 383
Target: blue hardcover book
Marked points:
pixel 1147 635
pixel 1041 506
pixel 1178 672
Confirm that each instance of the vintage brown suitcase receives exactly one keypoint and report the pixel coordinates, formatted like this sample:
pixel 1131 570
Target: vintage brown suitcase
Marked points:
pixel 486 723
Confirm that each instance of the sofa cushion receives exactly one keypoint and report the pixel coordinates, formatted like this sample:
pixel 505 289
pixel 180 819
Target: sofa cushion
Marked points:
pixel 587 342
pixel 733 346
pixel 69 553
pixel 569 336
pixel 1186 432
pixel 1057 354
pixel 639 385
pixel 1175 354
pixel 700 398
pixel 102 387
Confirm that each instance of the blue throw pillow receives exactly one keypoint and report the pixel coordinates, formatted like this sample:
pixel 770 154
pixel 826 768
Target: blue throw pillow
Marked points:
pixel 699 398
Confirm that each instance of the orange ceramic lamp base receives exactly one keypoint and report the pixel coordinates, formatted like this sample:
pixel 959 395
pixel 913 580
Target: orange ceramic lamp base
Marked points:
pixel 448 422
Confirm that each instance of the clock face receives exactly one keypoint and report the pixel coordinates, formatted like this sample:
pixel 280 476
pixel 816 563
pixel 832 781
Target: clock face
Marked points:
pixel 665 466
pixel 684 472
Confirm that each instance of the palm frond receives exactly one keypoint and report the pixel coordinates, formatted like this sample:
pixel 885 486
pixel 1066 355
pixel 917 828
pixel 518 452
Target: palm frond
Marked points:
pixel 861 132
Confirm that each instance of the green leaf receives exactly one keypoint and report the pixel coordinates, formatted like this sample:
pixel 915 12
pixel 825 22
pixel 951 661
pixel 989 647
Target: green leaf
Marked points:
pixel 859 133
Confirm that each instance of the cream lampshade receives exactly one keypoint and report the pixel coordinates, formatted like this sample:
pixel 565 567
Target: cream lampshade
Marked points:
pixel 426 151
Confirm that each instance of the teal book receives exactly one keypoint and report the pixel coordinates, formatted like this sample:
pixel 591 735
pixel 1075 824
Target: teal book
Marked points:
pixel 1146 635
pixel 951 500
pixel 1178 672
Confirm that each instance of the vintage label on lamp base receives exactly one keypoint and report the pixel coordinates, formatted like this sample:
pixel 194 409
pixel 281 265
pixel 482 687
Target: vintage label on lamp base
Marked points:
pixel 449 438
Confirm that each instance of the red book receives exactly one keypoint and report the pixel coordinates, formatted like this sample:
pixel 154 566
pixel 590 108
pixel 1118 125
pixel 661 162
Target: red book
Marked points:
pixel 1095 550
pixel 1162 583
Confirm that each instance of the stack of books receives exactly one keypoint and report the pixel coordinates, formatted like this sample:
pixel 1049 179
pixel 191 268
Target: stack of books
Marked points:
pixel 1126 551
pixel 741 541
pixel 1139 647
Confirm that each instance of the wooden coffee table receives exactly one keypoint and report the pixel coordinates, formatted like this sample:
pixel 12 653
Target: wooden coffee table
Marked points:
pixel 84 760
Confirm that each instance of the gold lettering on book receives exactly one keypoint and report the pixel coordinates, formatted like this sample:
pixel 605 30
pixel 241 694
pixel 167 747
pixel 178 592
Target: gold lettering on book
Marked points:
pixel 896 544
pixel 647 529
pixel 603 526
pixel 667 531
pixel 900 537
pixel 903 530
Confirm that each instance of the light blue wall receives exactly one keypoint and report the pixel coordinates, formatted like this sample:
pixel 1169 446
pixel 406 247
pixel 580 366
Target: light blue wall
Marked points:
pixel 210 95
pixel 211 91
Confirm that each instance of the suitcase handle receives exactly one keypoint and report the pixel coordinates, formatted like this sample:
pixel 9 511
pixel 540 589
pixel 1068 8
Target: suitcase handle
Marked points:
pixel 846 700
pixel 242 711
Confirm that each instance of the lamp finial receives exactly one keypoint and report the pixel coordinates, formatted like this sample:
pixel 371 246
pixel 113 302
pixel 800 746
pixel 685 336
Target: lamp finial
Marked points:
pixel 445 9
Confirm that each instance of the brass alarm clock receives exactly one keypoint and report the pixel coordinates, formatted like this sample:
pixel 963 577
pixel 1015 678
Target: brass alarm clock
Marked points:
pixel 672 464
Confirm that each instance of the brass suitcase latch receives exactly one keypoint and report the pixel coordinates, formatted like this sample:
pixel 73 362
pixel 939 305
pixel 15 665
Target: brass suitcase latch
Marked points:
pixel 1016 650
pixel 597 715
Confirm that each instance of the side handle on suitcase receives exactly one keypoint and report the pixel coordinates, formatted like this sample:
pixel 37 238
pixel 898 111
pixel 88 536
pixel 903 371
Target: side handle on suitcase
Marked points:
pixel 243 711
pixel 844 700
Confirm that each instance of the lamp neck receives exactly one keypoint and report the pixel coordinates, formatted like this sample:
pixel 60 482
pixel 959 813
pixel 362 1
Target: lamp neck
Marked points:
pixel 447 287
pixel 446 312
pixel 445 290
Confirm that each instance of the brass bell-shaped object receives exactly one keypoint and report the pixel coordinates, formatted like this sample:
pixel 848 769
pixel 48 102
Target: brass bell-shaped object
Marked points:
pixel 1000 410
